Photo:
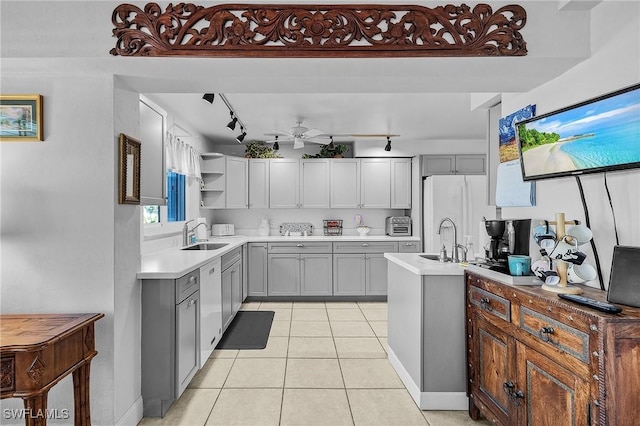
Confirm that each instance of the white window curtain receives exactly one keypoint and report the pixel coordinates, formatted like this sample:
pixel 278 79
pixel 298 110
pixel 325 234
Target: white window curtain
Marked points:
pixel 182 158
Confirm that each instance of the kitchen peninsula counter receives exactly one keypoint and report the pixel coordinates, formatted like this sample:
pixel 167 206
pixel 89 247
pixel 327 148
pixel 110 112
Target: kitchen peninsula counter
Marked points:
pixel 426 329
pixel 174 262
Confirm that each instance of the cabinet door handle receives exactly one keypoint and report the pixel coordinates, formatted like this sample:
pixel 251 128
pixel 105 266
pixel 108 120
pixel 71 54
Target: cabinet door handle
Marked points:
pixel 192 279
pixel 212 270
pixel 545 333
pixel 508 387
pixel 191 302
pixel 365 245
pixel 299 245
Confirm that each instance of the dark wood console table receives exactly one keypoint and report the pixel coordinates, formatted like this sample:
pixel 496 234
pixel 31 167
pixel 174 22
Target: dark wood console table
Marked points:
pixel 39 350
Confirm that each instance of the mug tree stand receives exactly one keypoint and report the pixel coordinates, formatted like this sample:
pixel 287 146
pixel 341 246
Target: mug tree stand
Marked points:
pixel 561 265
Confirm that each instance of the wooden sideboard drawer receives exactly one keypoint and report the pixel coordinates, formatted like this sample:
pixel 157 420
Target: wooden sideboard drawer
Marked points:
pixel 555 333
pixel 490 303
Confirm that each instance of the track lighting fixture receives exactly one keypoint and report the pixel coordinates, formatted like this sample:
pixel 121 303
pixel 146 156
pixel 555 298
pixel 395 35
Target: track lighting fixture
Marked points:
pixel 232 124
pixel 388 147
pixel 275 145
pixel 242 135
pixel 331 146
pixel 209 97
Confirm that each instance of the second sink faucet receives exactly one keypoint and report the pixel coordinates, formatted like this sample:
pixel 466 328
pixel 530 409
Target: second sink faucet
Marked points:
pixel 454 250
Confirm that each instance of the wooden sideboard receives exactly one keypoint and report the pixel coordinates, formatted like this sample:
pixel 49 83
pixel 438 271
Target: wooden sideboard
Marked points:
pixel 39 350
pixel 535 359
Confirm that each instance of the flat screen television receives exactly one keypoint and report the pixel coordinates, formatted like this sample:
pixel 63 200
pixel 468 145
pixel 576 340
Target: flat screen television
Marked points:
pixel 597 135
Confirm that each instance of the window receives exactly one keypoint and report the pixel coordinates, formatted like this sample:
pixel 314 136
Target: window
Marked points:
pixel 176 207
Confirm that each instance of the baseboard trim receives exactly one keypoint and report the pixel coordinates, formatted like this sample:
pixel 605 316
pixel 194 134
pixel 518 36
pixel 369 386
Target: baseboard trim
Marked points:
pixel 428 400
pixel 133 415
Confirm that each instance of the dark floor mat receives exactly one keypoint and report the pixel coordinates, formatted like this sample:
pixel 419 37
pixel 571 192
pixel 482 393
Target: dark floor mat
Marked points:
pixel 248 330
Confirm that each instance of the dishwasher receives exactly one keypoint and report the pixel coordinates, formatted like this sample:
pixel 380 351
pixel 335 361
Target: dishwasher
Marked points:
pixel 210 308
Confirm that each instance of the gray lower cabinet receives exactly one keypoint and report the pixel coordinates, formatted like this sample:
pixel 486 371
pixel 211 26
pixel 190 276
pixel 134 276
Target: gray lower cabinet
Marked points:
pixel 360 269
pixel 232 294
pixel 299 269
pixel 257 269
pixel 170 339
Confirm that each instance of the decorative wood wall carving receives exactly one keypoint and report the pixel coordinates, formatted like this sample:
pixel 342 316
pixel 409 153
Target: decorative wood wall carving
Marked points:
pixel 260 30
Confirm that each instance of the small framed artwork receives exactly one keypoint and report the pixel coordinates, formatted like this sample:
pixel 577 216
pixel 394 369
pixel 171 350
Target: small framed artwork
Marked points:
pixel 21 118
pixel 129 170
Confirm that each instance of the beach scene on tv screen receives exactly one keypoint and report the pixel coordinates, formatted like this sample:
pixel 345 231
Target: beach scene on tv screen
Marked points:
pixel 600 134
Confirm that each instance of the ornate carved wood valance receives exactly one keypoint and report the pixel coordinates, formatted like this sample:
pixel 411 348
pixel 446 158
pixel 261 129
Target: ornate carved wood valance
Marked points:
pixel 261 30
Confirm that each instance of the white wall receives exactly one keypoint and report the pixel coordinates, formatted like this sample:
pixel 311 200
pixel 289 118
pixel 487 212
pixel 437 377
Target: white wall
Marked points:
pixel 615 63
pixel 57 229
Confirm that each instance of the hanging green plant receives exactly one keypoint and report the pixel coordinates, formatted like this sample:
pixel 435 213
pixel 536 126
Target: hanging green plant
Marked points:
pixel 259 149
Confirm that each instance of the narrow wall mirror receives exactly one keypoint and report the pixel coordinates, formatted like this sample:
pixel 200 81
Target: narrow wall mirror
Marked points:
pixel 129 170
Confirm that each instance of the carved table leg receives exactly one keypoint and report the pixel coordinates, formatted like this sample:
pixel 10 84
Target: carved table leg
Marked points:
pixel 36 410
pixel 82 411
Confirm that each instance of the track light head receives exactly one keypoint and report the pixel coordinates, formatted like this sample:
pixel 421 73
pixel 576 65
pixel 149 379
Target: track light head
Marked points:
pixel 331 145
pixel 275 145
pixel 232 124
pixel 242 135
pixel 388 147
pixel 209 97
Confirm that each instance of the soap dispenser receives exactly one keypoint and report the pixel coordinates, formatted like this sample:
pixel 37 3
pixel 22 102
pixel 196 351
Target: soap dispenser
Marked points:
pixel 263 229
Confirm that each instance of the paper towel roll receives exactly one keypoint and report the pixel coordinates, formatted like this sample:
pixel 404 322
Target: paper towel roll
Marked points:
pixel 201 231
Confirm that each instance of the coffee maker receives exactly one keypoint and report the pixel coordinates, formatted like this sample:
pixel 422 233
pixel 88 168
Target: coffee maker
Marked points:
pixel 509 236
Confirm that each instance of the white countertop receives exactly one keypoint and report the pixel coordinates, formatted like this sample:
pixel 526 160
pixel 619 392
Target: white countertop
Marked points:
pixel 421 266
pixel 174 262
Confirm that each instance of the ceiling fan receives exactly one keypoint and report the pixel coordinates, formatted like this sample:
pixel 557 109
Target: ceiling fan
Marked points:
pixel 300 134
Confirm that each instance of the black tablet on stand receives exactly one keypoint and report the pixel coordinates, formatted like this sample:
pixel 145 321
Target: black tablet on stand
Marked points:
pixel 624 281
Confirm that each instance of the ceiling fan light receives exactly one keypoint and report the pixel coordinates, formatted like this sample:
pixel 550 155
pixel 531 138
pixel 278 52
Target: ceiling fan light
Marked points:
pixel 298 143
pixel 209 97
pixel 388 147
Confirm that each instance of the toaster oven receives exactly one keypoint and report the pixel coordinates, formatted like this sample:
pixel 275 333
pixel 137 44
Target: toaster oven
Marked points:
pixel 398 226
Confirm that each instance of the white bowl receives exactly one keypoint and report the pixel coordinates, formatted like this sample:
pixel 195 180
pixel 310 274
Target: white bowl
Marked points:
pixel 363 230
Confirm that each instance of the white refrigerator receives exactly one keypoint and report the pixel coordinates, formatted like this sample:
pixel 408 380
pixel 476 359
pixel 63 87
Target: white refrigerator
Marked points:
pixel 463 199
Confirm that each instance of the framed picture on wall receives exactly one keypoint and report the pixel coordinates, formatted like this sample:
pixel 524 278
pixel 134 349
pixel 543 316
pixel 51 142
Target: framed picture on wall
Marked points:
pixel 129 170
pixel 21 118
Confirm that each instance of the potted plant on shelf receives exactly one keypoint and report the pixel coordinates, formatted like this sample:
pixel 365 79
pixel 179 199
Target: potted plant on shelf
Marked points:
pixel 333 150
pixel 259 149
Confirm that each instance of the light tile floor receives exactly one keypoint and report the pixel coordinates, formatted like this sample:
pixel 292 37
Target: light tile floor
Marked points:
pixel 324 364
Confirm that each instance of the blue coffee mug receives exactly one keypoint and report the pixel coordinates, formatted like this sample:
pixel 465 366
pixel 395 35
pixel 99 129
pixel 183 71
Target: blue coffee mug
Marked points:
pixel 519 265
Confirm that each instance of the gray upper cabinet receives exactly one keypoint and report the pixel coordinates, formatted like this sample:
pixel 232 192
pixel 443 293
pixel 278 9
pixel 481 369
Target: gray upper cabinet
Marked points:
pixel 284 183
pixel 153 128
pixel 345 184
pixel 314 183
pixel 468 164
pixel 258 183
pixel 237 183
pixel 401 183
pixel 375 183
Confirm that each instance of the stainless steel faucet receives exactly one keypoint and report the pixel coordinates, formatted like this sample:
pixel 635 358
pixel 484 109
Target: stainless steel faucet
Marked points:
pixel 186 232
pixel 454 250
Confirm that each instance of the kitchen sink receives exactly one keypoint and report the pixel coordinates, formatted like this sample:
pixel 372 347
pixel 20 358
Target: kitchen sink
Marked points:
pixel 434 257
pixel 206 246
